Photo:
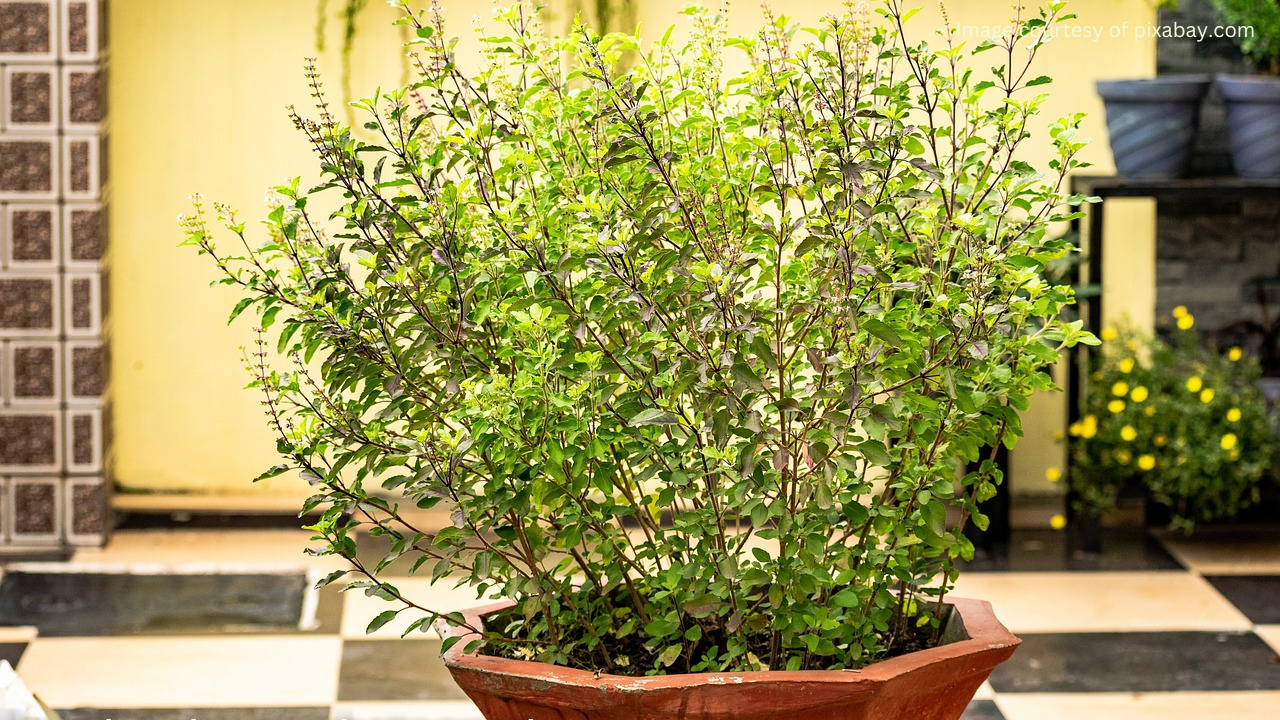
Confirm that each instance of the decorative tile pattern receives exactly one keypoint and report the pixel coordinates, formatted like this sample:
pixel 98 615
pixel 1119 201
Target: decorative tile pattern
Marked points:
pixel 30 96
pixel 28 167
pixel 26 29
pixel 87 234
pixel 35 509
pixel 86 511
pixel 88 371
pixel 85 97
pixel 31 235
pixel 29 441
pixel 84 304
pixel 85 444
pixel 52 243
pixel 34 371
pixel 28 304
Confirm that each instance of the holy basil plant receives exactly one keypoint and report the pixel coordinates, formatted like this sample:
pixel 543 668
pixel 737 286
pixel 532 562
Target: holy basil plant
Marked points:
pixel 694 338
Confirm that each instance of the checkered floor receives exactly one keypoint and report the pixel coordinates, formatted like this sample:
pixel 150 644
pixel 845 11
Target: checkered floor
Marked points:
pixel 1156 627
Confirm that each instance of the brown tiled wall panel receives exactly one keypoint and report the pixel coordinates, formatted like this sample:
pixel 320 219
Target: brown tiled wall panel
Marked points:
pixel 29 440
pixel 27 303
pixel 87 234
pixel 53 361
pixel 29 95
pixel 28 165
pixel 31 237
pixel 35 375
pixel 26 28
pixel 84 97
pixel 88 372
pixel 84 440
pixel 86 510
pixel 83 303
pixel 78 27
pixel 35 507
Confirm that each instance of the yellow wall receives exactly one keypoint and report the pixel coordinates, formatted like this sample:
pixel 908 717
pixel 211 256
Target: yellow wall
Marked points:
pixel 198 92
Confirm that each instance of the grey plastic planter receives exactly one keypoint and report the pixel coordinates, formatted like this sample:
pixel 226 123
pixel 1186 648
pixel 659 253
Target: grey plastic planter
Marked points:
pixel 1253 122
pixel 1152 123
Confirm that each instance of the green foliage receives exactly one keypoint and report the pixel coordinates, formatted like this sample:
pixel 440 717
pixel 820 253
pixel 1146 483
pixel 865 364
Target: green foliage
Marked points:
pixel 1186 425
pixel 691 356
pixel 1262 45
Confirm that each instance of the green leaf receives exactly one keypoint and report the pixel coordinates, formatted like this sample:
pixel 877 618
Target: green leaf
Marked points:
pixel 273 471
pixel 653 416
pixel 880 330
pixel 383 618
pixel 669 655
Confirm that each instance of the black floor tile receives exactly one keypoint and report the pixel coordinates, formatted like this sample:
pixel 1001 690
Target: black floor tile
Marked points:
pixel 1139 662
pixel 12 652
pixel 329 604
pixel 371 549
pixel 982 710
pixel 93 604
pixel 1257 596
pixel 275 713
pixel 205 520
pixel 375 670
pixel 1049 551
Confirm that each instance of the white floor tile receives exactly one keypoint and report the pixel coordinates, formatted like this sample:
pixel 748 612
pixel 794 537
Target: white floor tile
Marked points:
pixel 450 710
pixel 359 609
pixel 1102 602
pixel 199 550
pixel 257 671
pixel 1140 706
pixel 1270 634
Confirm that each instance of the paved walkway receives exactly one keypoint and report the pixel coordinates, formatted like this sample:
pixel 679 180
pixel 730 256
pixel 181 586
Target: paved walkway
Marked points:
pixel 1157 627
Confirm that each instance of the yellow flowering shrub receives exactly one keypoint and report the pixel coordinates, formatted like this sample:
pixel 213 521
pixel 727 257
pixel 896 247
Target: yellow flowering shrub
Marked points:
pixel 1182 425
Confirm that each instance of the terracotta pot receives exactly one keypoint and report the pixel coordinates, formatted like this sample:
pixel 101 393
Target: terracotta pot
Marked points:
pixel 933 684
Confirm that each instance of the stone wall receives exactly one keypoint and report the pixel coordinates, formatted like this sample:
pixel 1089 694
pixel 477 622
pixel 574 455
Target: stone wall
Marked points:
pixel 1210 249
pixel 53 434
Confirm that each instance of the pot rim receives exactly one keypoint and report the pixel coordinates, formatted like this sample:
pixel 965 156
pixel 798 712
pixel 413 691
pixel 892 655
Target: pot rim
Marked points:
pixel 1164 88
pixel 986 633
pixel 1249 88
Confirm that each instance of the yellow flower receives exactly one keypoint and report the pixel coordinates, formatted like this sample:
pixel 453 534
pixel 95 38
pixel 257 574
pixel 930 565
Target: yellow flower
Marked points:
pixel 1148 411
pixel 1057 522
pixel 1194 383
pixel 1233 415
pixel 1120 389
pixel 1180 311
pixel 1228 441
pixel 1126 365
pixel 1053 474
pixel 1128 434
pixel 1186 321
pixel 1075 429
pixel 1146 462
pixel 1089 427
pixel 1234 454
pixel 1109 333
pixel 1116 406
pixel 1235 354
pixel 1139 394
pixel 1123 456
pixel 1159 440
pixel 1206 395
